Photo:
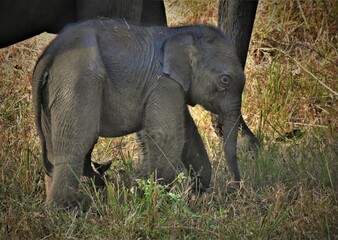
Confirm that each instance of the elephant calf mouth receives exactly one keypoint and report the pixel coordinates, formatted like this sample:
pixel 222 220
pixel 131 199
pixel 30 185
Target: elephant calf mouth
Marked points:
pixel 217 125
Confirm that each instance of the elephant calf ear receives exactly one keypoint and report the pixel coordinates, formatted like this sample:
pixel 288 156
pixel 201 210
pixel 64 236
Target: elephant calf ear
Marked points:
pixel 178 54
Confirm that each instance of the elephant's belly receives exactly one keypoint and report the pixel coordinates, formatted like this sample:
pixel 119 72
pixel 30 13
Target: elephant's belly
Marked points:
pixel 120 122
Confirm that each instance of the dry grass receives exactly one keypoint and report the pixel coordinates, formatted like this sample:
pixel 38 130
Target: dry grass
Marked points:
pixel 292 57
pixel 183 12
pixel 289 190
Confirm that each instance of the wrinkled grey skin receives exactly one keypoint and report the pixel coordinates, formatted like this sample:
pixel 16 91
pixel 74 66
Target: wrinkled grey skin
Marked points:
pixel 108 78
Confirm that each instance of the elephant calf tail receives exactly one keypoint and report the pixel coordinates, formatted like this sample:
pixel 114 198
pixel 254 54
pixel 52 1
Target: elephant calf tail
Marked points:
pixel 40 77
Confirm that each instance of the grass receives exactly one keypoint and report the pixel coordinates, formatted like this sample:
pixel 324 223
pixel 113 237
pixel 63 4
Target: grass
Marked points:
pixel 289 191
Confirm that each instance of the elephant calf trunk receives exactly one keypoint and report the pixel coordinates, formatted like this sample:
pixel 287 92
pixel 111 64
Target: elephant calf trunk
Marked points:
pixel 230 132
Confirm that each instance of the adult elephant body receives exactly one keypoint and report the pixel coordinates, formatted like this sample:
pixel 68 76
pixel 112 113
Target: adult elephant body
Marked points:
pixel 23 19
pixel 109 78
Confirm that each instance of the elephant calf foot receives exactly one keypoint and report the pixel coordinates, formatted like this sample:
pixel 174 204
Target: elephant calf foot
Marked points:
pixel 95 172
pixel 197 186
pixel 63 188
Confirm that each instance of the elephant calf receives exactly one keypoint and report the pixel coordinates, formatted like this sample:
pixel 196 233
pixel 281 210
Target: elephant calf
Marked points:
pixel 108 78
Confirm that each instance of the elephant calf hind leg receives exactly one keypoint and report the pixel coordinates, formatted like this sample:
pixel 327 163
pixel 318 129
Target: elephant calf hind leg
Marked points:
pixel 73 141
pixel 48 183
pixel 95 171
pixel 68 165
pixel 66 176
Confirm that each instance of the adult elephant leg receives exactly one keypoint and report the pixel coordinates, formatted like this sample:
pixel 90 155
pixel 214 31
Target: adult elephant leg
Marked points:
pixel 162 138
pixel 236 19
pixel 195 157
pixel 253 143
pixel 153 13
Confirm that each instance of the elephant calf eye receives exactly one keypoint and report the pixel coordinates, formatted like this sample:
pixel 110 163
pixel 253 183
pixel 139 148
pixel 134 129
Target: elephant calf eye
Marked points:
pixel 224 81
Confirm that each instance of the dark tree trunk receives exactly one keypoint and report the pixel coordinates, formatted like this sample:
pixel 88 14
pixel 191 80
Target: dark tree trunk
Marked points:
pixel 236 18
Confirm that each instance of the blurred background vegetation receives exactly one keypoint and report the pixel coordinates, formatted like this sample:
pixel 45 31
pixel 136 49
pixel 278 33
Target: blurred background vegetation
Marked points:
pixel 289 190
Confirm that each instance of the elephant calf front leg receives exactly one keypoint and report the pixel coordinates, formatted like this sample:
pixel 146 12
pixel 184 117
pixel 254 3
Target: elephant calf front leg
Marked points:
pixel 162 137
pixel 195 155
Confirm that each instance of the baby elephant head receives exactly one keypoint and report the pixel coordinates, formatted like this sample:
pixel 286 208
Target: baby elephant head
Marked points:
pixel 207 67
